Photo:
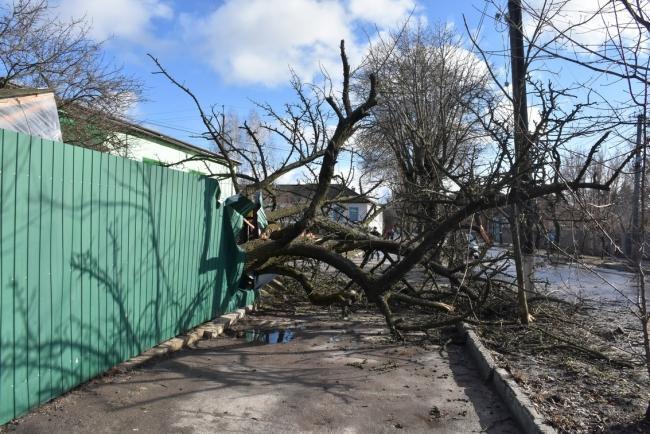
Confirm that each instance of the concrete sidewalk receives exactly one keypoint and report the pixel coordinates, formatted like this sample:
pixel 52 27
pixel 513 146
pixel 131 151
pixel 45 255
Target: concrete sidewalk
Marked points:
pixel 331 376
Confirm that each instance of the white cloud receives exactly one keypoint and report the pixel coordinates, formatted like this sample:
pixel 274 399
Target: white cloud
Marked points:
pixel 381 12
pixel 300 175
pixel 257 41
pixel 127 19
pixel 588 22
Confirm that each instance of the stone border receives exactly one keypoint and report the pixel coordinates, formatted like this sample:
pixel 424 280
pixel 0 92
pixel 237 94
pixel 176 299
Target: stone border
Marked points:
pixel 207 330
pixel 518 403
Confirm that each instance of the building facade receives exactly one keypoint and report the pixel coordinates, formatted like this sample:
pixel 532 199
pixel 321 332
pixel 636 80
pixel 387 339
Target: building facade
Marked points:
pixel 344 204
pixel 149 146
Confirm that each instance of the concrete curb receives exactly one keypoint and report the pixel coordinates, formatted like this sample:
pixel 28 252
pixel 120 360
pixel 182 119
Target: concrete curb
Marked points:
pixel 518 403
pixel 207 330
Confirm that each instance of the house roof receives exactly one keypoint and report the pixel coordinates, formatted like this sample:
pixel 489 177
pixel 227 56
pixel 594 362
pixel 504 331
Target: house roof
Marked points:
pixel 13 92
pixel 133 128
pixel 306 191
pixel 127 126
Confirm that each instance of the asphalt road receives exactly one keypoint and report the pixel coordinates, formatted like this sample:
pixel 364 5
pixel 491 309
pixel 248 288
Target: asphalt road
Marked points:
pixel 327 376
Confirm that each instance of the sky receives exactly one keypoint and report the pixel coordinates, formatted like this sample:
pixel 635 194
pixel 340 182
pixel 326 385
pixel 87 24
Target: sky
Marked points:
pixel 233 52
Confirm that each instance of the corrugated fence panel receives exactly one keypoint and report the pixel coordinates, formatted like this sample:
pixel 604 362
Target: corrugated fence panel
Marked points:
pixel 33 277
pixel 102 258
pixel 21 282
pixel 43 196
pixel 65 271
pixel 85 244
pixel 7 244
pixel 56 264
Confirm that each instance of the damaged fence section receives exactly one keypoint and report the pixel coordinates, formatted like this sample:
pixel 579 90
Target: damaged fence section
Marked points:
pixel 102 258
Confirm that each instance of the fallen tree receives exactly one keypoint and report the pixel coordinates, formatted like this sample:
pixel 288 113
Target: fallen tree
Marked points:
pixel 442 200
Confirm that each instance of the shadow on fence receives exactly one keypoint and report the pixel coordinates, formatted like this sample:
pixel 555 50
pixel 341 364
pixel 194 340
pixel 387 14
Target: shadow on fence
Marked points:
pixel 102 258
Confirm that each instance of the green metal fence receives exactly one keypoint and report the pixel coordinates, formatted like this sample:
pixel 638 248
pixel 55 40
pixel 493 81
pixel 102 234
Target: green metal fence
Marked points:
pixel 102 258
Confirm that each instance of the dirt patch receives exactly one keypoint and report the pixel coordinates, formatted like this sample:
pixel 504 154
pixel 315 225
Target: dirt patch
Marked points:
pixel 580 365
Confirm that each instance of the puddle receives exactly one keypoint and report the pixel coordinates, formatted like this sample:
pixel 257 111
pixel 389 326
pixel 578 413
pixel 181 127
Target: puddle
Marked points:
pixel 268 336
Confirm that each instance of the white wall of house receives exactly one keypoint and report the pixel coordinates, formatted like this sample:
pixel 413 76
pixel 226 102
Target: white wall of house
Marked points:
pixel 363 209
pixel 139 148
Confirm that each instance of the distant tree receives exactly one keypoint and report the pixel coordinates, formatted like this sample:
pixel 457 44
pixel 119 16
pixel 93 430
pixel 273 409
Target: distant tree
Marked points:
pixel 424 135
pixel 616 57
pixel 38 49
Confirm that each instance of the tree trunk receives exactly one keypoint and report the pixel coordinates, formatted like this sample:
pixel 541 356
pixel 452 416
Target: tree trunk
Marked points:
pixel 522 266
pixel 524 244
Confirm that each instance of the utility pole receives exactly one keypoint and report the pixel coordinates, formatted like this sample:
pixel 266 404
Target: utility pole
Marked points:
pixel 636 196
pixel 523 243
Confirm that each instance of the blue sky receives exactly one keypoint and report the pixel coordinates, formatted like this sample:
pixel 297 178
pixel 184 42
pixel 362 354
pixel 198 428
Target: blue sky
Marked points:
pixel 232 52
